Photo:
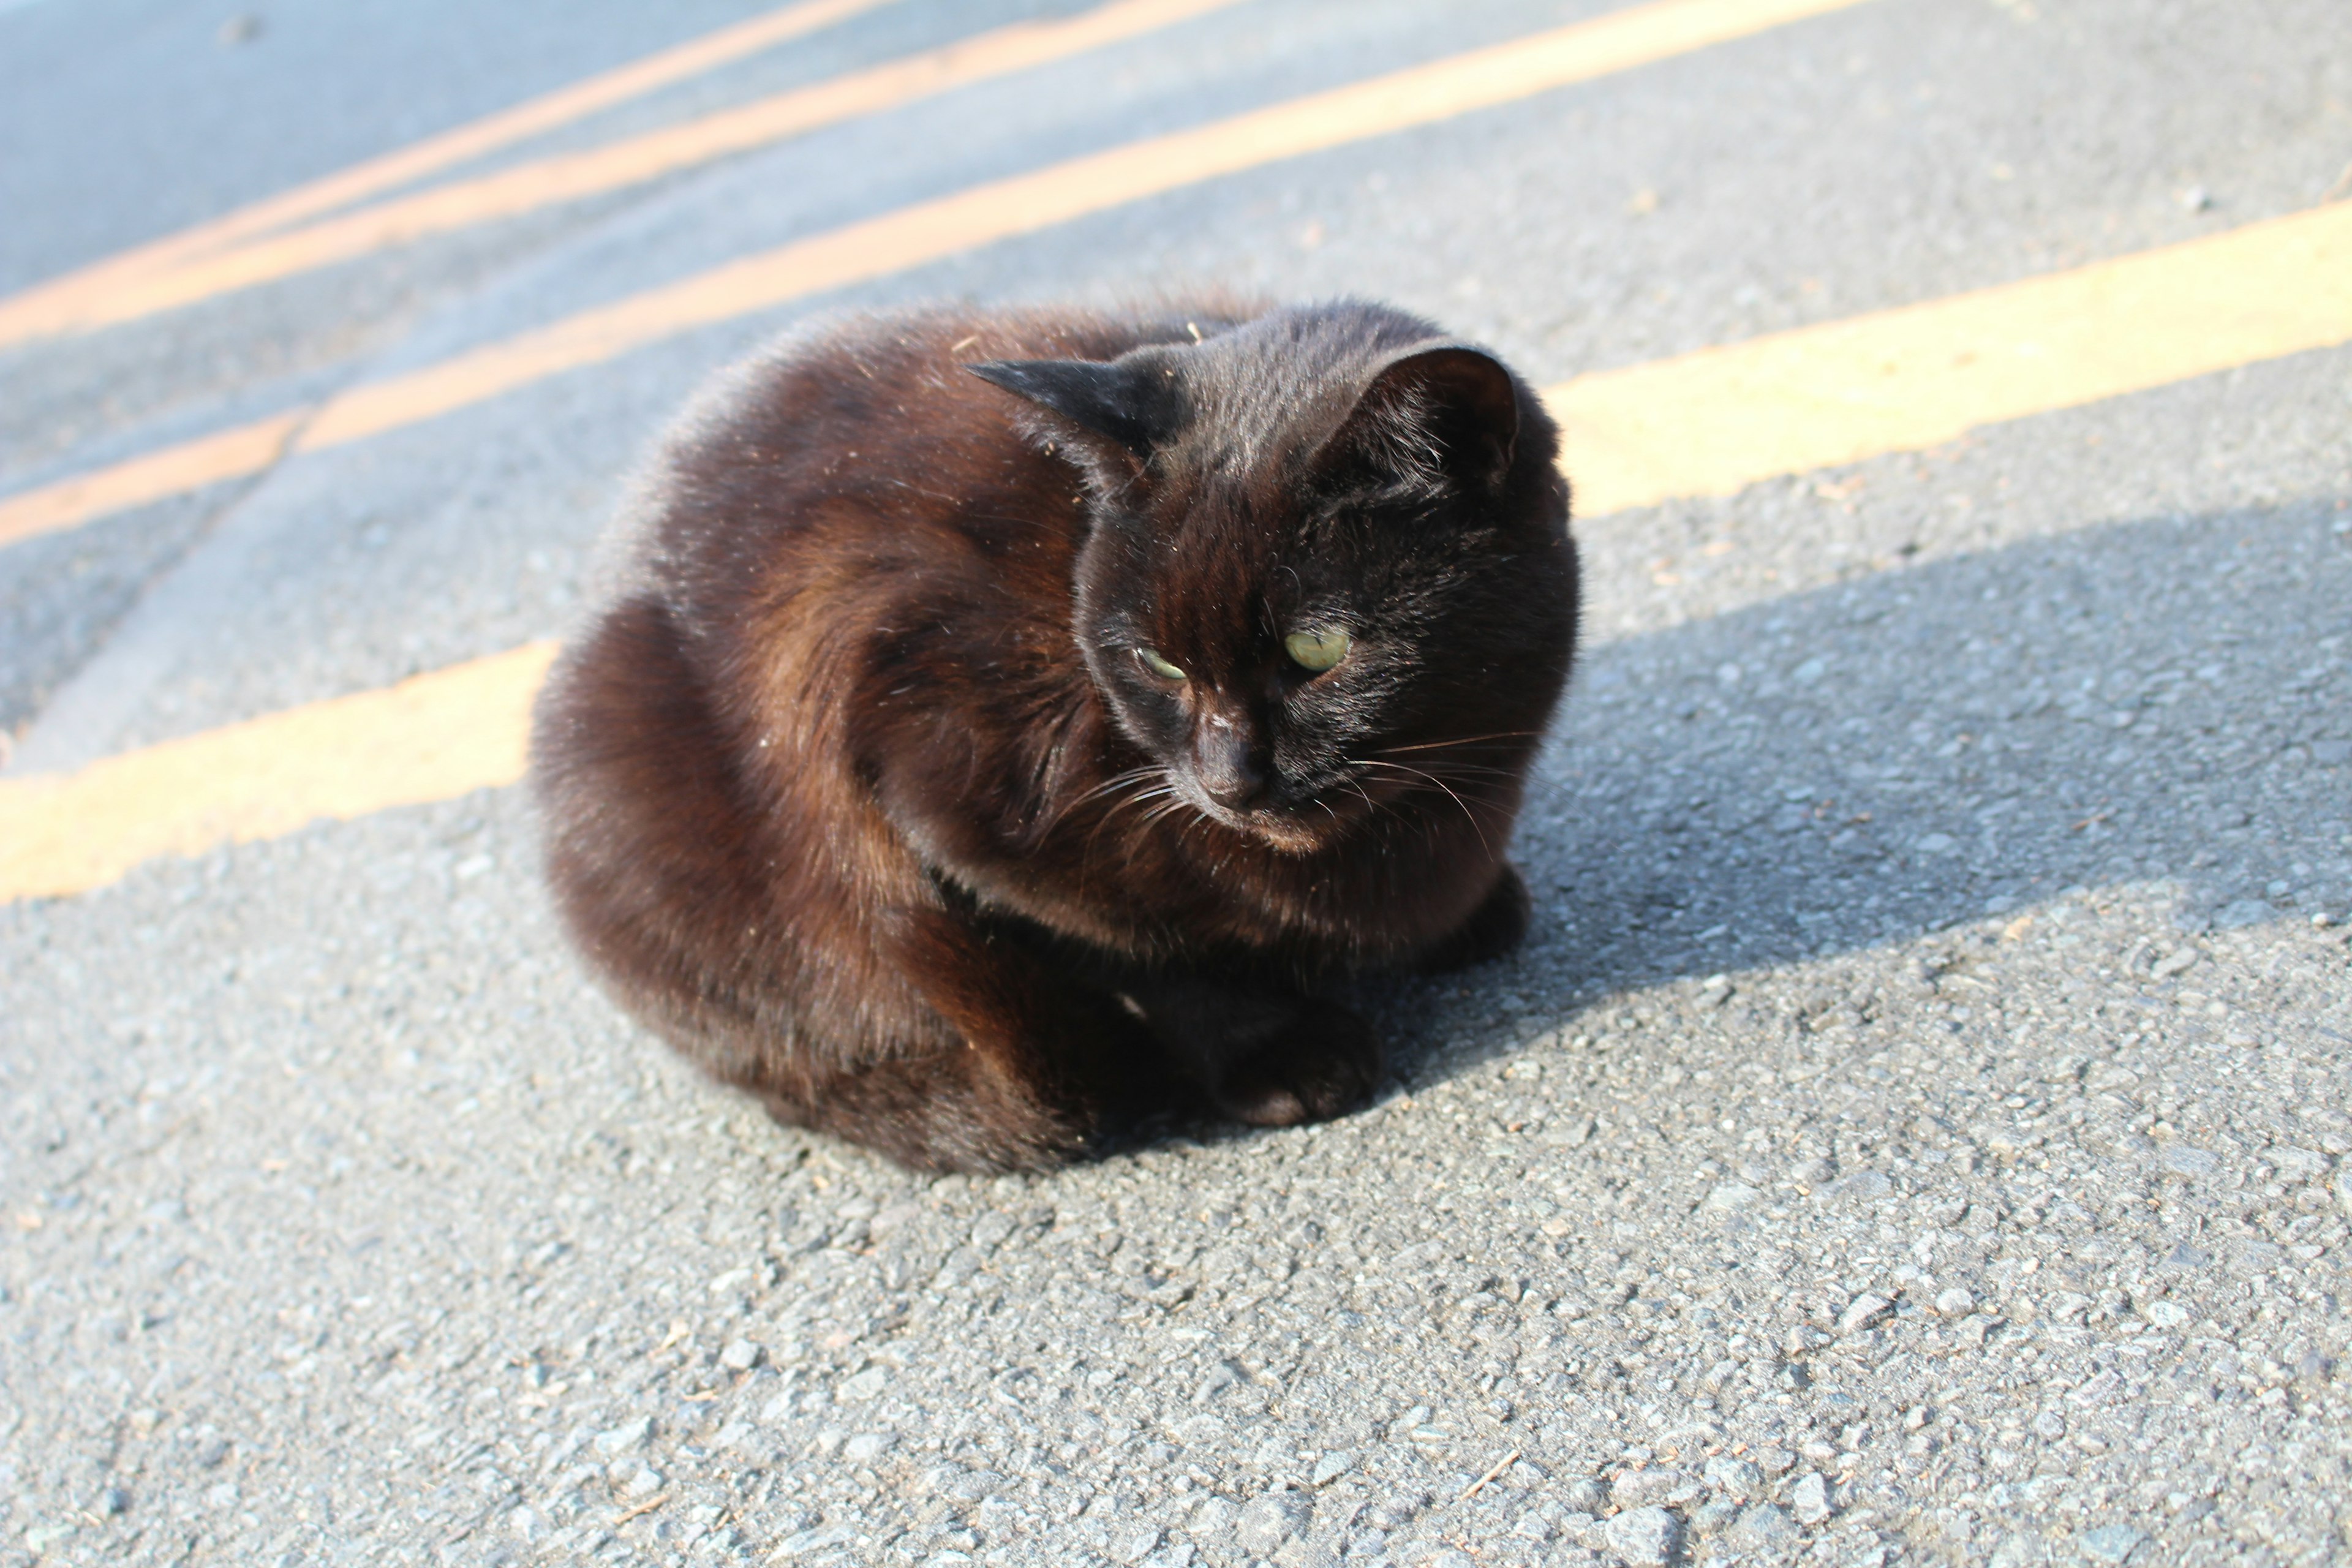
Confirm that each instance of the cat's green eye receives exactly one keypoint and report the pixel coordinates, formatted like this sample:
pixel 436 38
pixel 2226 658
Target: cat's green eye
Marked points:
pixel 1157 665
pixel 1317 648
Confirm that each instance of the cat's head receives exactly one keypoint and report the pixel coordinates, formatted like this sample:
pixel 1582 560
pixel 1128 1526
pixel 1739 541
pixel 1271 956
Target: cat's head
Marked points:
pixel 1327 567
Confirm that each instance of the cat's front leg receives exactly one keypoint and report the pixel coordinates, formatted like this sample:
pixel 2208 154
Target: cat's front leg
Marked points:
pixel 1264 1056
pixel 1028 1073
pixel 1495 927
pixel 1324 1061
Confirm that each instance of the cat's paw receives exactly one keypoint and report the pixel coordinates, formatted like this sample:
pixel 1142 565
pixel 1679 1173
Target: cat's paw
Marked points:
pixel 1494 928
pixel 1326 1061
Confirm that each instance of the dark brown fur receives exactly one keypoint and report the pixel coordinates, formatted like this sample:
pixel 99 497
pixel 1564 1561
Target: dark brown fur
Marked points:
pixel 857 795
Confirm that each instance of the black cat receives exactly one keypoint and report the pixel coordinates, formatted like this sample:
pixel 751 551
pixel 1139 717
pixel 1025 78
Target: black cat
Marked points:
pixel 1011 719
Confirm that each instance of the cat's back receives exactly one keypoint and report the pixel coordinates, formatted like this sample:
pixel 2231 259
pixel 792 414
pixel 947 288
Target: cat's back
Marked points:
pixel 867 437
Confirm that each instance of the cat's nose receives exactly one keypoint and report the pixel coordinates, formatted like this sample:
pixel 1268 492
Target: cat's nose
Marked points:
pixel 1225 759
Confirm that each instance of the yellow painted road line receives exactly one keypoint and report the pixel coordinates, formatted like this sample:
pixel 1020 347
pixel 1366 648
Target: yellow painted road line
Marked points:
pixel 435 737
pixel 66 303
pixel 1711 422
pixel 1895 381
pixel 1024 204
pixel 235 454
pixel 549 181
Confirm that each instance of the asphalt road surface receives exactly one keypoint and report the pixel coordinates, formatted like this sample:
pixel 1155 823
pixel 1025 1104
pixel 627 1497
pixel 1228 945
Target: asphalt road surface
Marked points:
pixel 1918 1129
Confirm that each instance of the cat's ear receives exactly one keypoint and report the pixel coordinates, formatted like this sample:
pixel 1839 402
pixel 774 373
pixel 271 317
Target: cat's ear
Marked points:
pixel 1131 401
pixel 1451 411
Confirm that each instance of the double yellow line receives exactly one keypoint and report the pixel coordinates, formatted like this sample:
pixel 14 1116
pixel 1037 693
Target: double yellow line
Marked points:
pixel 219 268
pixel 926 231
pixel 93 295
pixel 1706 423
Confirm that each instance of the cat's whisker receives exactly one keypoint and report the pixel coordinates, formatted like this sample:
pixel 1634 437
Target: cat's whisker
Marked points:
pixel 1145 798
pixel 1486 791
pixel 1499 736
pixel 1173 806
pixel 1454 768
pixel 1468 815
pixel 1185 832
pixel 1451 769
pixel 1159 814
pixel 1458 770
pixel 1431 774
pixel 1167 787
pixel 1554 789
pixel 1116 781
pixel 1142 775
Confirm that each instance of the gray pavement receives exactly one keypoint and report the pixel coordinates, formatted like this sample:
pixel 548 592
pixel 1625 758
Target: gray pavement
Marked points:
pixel 1918 1130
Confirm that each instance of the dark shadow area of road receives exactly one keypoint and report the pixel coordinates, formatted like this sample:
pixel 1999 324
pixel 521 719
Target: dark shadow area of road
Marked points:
pixel 1855 767
pixel 2158 698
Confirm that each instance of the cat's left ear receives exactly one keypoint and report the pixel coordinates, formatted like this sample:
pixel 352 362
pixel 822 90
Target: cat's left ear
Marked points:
pixel 1133 400
pixel 1453 405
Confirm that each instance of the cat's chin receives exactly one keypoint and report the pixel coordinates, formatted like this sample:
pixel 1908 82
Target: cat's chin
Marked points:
pixel 1289 834
pixel 1286 833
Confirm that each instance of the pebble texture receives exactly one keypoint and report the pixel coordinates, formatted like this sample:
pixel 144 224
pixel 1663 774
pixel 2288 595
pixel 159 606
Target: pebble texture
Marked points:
pixel 1918 1129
